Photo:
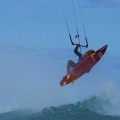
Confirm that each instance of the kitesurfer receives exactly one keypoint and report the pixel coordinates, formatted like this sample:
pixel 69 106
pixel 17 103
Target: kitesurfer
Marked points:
pixel 71 64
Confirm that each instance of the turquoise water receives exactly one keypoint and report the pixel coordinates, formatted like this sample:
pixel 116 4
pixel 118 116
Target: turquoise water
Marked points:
pixel 87 110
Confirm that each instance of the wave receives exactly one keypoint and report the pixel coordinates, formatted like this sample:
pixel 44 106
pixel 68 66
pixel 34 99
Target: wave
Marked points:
pixel 90 109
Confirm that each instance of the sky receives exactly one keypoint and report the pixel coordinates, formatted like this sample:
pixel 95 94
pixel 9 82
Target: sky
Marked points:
pixel 35 47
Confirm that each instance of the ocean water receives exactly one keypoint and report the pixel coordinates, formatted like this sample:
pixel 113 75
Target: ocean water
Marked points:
pixel 91 109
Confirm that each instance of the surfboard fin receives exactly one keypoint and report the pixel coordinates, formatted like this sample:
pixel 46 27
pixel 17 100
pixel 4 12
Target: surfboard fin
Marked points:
pixel 73 81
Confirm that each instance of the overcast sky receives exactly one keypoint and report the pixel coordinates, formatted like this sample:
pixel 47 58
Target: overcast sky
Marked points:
pixel 35 47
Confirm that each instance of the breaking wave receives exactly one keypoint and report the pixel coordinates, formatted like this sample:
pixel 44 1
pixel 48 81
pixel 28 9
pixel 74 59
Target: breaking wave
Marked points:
pixel 93 108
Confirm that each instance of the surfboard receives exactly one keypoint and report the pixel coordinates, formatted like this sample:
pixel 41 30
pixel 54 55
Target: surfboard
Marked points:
pixel 89 60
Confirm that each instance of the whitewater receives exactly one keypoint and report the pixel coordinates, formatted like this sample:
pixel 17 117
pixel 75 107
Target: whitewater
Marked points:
pixel 90 109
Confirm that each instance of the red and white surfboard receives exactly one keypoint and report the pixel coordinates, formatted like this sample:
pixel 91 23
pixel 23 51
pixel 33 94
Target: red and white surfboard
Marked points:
pixel 83 67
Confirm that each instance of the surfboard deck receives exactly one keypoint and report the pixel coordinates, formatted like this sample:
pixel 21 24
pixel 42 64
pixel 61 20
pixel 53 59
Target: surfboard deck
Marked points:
pixel 83 67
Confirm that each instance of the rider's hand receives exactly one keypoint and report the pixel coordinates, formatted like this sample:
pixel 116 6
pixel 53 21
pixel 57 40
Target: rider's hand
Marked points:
pixel 78 45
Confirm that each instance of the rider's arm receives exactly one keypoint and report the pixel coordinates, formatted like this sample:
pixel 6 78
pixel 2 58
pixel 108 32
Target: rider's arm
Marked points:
pixel 77 52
